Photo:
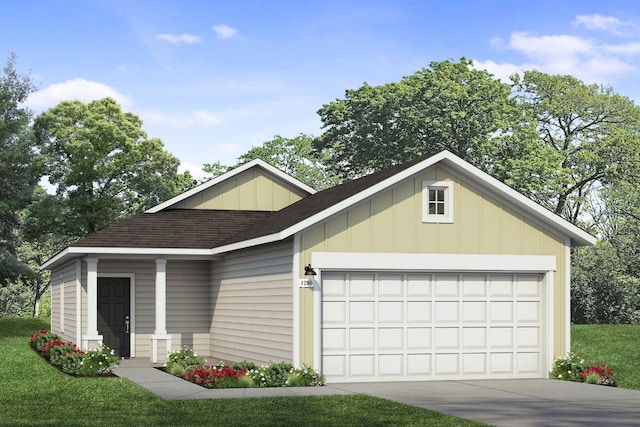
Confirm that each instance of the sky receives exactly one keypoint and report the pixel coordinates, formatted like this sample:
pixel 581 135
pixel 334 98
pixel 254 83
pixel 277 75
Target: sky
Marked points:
pixel 212 79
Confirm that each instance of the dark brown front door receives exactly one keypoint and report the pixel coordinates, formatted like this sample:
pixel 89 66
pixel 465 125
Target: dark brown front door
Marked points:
pixel 114 313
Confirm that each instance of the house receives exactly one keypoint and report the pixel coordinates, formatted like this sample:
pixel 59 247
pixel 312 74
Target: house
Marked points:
pixel 430 269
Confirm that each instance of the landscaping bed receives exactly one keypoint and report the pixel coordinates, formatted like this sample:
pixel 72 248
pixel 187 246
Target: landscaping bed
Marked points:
pixel 68 358
pixel 186 364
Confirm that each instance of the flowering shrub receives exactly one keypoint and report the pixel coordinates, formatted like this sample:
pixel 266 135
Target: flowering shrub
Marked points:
pixel 180 361
pixel 216 377
pixel 567 368
pixel 599 374
pixel 70 359
pixel 241 374
pixel 305 377
pixel 42 337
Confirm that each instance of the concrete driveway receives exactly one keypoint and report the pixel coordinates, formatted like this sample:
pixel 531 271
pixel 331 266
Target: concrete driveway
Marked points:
pixel 535 402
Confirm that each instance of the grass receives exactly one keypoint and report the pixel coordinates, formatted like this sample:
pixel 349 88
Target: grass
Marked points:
pixel 615 345
pixel 33 393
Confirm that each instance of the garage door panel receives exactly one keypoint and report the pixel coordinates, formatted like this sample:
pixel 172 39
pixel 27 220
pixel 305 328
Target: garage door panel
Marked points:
pixel 390 285
pixel 391 365
pixel 418 326
pixel 418 338
pixel 446 286
pixel 419 364
pixel 334 339
pixel 334 312
pixel 447 312
pixel 474 363
pixel 362 312
pixel 447 364
pixel 391 312
pixel 362 285
pixel 362 365
pixel 391 339
pixel 362 339
pixel 418 285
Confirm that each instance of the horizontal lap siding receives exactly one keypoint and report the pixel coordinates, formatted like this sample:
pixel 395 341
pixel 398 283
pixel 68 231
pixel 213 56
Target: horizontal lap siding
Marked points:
pixel 188 304
pixel 63 314
pixel 253 305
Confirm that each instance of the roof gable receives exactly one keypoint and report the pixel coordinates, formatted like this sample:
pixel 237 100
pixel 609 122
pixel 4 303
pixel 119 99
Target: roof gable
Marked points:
pixel 324 204
pixel 277 175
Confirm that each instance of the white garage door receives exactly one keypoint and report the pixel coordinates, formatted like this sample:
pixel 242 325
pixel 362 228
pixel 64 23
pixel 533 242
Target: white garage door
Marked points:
pixel 412 326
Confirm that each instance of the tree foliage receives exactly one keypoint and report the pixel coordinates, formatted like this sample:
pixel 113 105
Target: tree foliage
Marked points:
pixel 449 106
pixel 576 138
pixel 294 156
pixel 102 165
pixel 17 176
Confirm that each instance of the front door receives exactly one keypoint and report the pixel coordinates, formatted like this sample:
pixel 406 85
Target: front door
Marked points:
pixel 114 313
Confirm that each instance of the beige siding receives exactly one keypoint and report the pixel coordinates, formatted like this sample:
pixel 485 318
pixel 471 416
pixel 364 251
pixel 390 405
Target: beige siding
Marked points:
pixel 252 302
pixel 188 310
pixel 63 302
pixel 392 222
pixel 253 189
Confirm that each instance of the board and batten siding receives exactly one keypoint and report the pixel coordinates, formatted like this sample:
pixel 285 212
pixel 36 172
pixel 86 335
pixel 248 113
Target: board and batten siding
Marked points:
pixel 252 303
pixel 63 301
pixel 391 222
pixel 253 189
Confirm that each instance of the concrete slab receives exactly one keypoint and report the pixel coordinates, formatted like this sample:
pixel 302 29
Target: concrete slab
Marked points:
pixel 523 403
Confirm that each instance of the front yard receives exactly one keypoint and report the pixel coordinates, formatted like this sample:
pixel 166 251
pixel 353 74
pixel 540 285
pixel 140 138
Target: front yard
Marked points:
pixel 33 393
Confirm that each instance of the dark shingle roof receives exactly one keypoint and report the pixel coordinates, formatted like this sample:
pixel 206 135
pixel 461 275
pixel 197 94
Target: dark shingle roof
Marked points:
pixel 317 203
pixel 175 228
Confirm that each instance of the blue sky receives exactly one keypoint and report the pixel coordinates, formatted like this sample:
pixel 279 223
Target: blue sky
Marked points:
pixel 211 79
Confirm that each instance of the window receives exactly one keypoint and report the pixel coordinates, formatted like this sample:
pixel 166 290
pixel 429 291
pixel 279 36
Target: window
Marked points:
pixel 437 201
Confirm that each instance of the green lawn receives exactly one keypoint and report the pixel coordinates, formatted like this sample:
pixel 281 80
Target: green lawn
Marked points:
pixel 615 345
pixel 34 393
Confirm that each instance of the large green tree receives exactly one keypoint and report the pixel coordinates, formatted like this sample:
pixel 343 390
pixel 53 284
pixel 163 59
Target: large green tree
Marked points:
pixel 294 156
pixel 574 139
pixel 102 165
pixel 17 176
pixel 450 105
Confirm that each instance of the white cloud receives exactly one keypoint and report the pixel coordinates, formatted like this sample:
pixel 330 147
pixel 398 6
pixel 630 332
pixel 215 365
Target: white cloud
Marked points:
pixel 224 31
pixel 183 38
pixel 564 54
pixel 196 171
pixel 195 119
pixel 609 24
pixel 76 89
pixel 500 71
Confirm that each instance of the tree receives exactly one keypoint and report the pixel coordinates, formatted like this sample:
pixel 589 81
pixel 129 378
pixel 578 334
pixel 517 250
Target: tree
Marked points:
pixel 295 157
pixel 17 176
pixel 577 138
pixel 449 106
pixel 102 165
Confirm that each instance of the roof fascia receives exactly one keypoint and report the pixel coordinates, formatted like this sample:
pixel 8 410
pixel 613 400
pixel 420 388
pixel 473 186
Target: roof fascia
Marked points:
pixel 227 175
pixel 75 251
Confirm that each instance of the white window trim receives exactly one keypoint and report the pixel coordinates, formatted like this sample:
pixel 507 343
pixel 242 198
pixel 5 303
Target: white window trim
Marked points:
pixel 448 207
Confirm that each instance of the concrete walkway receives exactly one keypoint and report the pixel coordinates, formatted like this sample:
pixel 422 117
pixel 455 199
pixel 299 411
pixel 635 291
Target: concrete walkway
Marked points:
pixel 535 402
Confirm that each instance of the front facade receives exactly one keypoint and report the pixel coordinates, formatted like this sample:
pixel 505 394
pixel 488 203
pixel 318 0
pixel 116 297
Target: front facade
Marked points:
pixel 429 270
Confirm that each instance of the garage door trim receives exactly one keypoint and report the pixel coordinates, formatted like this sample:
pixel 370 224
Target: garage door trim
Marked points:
pixel 432 263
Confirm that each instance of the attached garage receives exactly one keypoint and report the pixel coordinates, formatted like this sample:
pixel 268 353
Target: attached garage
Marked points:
pixel 422 326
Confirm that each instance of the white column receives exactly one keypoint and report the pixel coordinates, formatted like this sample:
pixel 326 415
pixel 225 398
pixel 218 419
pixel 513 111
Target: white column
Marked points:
pixel 160 333
pixel 92 338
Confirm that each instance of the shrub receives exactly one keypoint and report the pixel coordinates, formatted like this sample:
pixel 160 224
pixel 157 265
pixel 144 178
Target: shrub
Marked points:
pixel 216 377
pixel 183 360
pixel 272 375
pixel 599 374
pixel 567 368
pixel 99 361
pixel 305 377
pixel 42 337
pixel 57 350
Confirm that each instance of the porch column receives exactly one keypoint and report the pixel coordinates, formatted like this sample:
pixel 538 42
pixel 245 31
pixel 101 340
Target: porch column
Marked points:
pixel 92 338
pixel 160 340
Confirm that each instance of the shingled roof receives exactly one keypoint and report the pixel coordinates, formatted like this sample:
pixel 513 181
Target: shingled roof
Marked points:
pixel 175 228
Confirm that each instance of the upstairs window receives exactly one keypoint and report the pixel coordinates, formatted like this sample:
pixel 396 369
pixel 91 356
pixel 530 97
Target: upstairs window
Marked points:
pixel 437 201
